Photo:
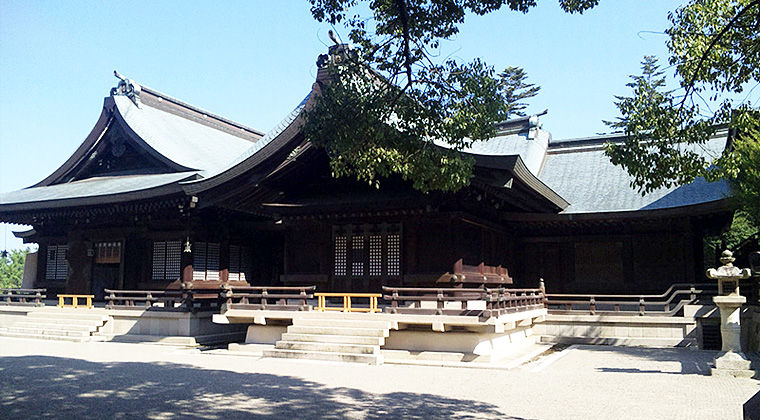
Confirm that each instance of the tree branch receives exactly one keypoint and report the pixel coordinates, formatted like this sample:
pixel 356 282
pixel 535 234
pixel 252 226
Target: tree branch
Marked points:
pixel 703 58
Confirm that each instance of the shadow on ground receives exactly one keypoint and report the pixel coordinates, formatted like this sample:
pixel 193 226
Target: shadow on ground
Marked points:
pixel 51 387
pixel 681 361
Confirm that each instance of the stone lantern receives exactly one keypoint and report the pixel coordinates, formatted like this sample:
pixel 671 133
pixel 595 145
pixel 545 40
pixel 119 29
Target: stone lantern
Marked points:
pixel 731 361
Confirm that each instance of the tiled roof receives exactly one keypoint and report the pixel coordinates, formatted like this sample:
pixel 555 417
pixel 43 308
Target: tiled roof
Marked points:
pixel 96 188
pixel 580 172
pixel 185 142
pixel 246 160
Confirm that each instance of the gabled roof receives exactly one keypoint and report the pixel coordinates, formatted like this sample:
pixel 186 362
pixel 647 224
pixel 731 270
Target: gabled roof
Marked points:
pixel 580 172
pixel 169 141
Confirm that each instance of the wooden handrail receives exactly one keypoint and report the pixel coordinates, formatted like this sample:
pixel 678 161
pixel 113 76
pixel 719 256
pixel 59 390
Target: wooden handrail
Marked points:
pixel 260 298
pixel 649 304
pixel 182 300
pixel 497 301
pixel 22 297
pixel 347 302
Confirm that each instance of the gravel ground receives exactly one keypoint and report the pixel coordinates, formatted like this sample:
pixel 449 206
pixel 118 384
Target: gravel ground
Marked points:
pixel 45 379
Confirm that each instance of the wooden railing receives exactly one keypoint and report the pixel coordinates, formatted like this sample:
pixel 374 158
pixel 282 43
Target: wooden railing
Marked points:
pixel 184 300
pixel 471 302
pixel 669 303
pixel 292 298
pixel 22 297
pixel 348 303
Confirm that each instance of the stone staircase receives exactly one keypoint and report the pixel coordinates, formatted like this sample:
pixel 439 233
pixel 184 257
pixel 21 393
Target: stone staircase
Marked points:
pixel 341 340
pixel 59 324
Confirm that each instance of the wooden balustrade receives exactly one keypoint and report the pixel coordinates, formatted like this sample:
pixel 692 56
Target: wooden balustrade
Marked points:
pixel 669 303
pixel 288 298
pixel 407 300
pixel 183 300
pixel 347 302
pixel 22 297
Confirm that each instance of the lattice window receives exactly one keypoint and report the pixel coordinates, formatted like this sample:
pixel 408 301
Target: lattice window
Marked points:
pixel 357 256
pixel 57 268
pixel 234 263
pixel 167 260
pixel 173 260
pixel 199 261
pixel 341 251
pixel 375 255
pixel 394 255
pixel 206 261
pixel 367 250
pixel 240 262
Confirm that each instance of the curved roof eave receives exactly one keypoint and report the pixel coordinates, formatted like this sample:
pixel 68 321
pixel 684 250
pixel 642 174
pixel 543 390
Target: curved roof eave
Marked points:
pixel 93 192
pixel 515 164
pixel 81 153
pixel 273 141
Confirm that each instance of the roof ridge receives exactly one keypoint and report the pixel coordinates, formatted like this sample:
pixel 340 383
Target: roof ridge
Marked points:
pixel 180 103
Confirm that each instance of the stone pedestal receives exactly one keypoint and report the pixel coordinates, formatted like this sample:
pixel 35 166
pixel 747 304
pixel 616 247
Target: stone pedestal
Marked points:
pixel 731 361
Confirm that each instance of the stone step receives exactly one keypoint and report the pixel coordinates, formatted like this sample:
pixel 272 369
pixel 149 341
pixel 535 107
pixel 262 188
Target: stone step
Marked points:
pixel 326 330
pixel 373 359
pixel 339 339
pixel 44 337
pixel 348 323
pixel 66 317
pixel 52 332
pixel 327 347
pixel 56 326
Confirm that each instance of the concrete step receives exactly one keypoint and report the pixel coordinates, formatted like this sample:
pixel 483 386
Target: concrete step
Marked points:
pixel 327 347
pixel 66 316
pixel 373 359
pixel 348 323
pixel 53 326
pixel 53 332
pixel 44 337
pixel 339 339
pixel 337 330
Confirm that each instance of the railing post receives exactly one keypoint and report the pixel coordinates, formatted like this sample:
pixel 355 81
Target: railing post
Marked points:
pixel 592 305
pixel 148 297
pixel 542 286
pixel 302 299
pixel 394 301
pixel 692 294
pixel 440 302
pixel 264 294
pixel 38 298
pixel 642 307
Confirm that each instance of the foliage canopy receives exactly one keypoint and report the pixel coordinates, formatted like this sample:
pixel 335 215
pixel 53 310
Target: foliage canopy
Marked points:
pixel 12 268
pixel 714 50
pixel 390 99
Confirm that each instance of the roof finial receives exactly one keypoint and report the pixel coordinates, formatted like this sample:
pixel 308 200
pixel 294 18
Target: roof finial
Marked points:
pixel 128 88
pixel 332 36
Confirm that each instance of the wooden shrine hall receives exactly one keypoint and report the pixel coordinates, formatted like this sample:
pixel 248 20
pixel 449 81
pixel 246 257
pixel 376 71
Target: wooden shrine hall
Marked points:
pixel 164 195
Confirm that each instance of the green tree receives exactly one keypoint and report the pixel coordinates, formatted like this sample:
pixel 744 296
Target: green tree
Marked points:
pixel 714 50
pixel 12 268
pixel 390 99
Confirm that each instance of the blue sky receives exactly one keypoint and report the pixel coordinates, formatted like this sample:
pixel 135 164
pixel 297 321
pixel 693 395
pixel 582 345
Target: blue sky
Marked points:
pixel 253 61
